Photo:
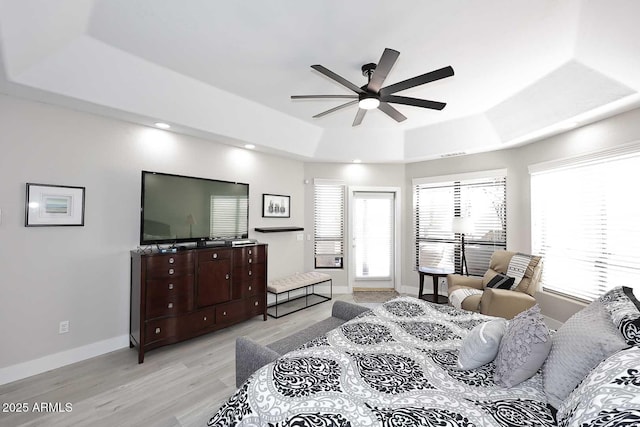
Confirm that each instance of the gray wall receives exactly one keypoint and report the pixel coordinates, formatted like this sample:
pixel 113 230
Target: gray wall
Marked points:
pixel 81 274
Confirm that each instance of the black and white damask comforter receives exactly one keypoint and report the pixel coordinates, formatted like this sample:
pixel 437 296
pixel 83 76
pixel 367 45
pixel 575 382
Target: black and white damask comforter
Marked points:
pixel 393 366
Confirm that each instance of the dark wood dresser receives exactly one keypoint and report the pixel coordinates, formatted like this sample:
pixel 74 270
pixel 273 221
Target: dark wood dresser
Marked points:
pixel 181 295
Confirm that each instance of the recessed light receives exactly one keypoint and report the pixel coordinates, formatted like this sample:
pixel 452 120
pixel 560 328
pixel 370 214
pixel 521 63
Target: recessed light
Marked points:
pixel 249 146
pixel 357 161
pixel 162 125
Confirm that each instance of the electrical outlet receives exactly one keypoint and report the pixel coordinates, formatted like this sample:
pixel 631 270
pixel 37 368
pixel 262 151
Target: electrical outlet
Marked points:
pixel 64 327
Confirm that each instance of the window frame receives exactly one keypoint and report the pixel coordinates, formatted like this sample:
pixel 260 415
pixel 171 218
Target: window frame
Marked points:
pixel 457 182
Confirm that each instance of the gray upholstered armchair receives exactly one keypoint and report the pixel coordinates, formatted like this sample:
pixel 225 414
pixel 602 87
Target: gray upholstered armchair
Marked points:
pixel 498 302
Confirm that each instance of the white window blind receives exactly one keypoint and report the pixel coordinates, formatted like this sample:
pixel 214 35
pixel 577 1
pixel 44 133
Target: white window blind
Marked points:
pixel 479 197
pixel 228 216
pixel 585 222
pixel 328 223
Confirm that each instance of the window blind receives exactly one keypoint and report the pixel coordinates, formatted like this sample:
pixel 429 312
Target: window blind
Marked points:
pixel 480 197
pixel 328 223
pixel 585 222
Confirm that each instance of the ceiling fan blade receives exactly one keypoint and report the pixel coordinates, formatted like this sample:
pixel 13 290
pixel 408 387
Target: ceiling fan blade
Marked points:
pixel 359 116
pixel 339 107
pixel 418 80
pixel 391 112
pixel 388 58
pixel 424 103
pixel 339 79
pixel 324 96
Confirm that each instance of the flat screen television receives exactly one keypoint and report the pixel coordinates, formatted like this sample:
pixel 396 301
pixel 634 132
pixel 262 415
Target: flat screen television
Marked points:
pixel 177 208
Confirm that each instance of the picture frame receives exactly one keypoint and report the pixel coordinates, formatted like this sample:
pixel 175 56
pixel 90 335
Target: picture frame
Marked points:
pixel 276 206
pixel 54 205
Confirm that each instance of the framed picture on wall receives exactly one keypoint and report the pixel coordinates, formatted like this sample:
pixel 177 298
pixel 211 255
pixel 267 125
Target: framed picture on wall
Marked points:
pixel 276 206
pixel 54 205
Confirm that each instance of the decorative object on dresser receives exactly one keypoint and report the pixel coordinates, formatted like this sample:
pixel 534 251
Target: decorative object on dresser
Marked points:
pixel 177 296
pixel 54 205
pixel 276 206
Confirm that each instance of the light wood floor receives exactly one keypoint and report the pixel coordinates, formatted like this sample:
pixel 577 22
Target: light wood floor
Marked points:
pixel 178 385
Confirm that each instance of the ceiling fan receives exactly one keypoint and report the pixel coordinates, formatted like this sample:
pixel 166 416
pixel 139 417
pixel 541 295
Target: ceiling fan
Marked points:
pixel 373 95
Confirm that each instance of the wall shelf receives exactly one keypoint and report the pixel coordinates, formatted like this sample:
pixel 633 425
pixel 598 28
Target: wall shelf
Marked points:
pixel 277 229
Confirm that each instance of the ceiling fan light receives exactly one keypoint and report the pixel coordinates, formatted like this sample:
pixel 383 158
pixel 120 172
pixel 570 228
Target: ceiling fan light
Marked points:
pixel 368 103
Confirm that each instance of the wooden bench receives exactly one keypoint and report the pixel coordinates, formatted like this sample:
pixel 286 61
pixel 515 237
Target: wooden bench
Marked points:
pixel 295 282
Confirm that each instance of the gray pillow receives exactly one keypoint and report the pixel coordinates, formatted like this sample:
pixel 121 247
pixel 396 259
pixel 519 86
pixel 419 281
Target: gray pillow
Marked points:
pixel 587 338
pixel 608 396
pixel 481 345
pixel 523 349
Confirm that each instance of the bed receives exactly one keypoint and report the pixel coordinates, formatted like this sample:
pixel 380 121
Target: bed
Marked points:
pixel 394 365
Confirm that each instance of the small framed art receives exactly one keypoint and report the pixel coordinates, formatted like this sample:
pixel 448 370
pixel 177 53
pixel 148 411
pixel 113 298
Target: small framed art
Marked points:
pixel 276 206
pixel 54 205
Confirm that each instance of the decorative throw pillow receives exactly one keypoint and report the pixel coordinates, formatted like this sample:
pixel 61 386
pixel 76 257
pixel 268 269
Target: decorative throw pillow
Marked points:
pixel 518 268
pixel 501 281
pixel 523 349
pixel 624 309
pixel 481 345
pixel 588 337
pixel 608 396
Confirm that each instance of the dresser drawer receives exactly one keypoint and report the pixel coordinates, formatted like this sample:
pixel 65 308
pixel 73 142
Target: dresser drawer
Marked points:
pixel 160 329
pixel 166 288
pixel 249 288
pixel 173 265
pixel 202 319
pixel 231 312
pixel 255 305
pixel 254 272
pixel 171 304
pixel 214 255
pixel 249 255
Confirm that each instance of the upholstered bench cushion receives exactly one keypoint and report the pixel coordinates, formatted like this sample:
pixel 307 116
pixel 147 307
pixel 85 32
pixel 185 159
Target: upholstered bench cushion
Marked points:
pixel 295 281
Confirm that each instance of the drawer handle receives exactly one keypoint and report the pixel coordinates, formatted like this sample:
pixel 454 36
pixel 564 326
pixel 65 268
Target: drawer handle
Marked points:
pixel 226 277
pixel 224 313
pixel 250 261
pixel 250 252
pixel 204 318
pixel 170 286
pixel 249 272
pixel 170 305
pixel 171 271
pixel 249 287
pixel 171 260
pixel 157 330
pixel 256 303
pixel 215 255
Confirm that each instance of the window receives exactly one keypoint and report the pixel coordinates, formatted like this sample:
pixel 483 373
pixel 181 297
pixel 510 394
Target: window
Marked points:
pixel 585 222
pixel 328 223
pixel 481 197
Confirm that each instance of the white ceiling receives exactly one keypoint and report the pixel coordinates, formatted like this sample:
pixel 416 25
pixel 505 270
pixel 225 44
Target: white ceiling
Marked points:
pixel 225 70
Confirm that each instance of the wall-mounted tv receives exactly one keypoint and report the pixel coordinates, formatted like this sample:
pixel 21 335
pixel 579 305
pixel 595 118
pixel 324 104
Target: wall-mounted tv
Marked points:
pixel 177 208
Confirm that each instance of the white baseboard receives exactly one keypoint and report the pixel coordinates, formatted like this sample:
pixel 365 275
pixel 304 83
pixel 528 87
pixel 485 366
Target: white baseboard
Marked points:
pixel 58 360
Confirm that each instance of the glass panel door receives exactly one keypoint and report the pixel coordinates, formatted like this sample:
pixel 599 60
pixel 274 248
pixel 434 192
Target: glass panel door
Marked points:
pixel 374 239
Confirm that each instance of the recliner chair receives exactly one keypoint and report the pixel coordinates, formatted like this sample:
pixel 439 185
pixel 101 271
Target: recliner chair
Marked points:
pixel 499 302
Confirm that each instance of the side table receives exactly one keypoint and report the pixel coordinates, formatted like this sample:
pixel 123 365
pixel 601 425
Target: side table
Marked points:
pixel 435 273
